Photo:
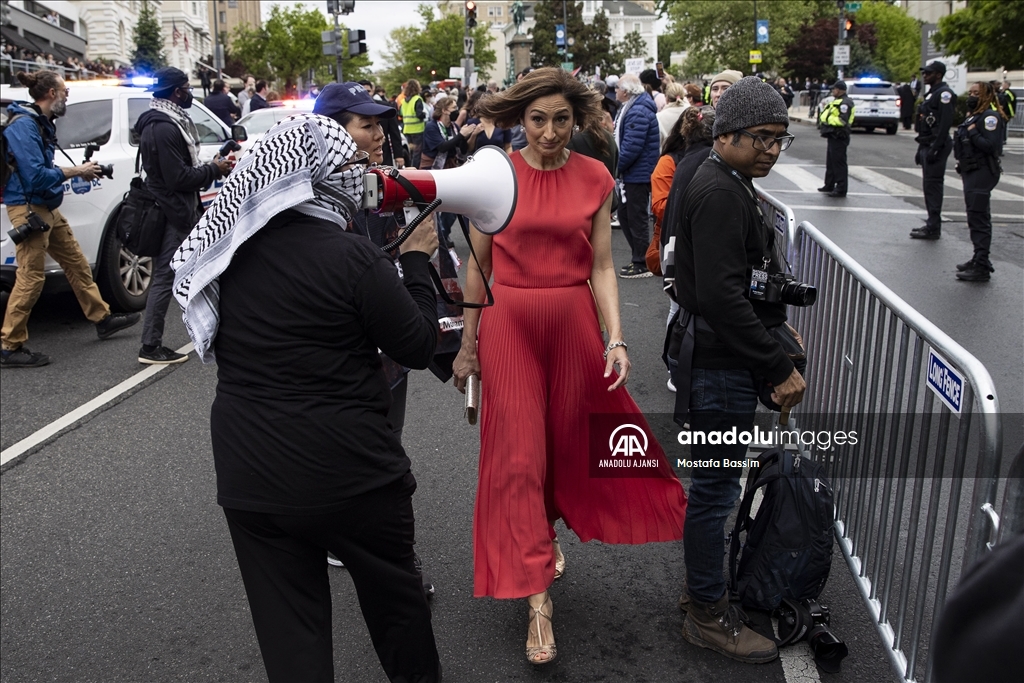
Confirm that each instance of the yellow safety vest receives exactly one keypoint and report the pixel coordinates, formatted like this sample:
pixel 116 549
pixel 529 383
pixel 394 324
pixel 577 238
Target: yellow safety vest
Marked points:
pixel 410 124
pixel 830 115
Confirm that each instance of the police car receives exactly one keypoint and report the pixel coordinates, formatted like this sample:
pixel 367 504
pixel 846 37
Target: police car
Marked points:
pixel 875 104
pixel 104 113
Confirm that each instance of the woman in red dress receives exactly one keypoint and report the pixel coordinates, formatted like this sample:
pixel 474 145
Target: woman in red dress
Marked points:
pixel 544 366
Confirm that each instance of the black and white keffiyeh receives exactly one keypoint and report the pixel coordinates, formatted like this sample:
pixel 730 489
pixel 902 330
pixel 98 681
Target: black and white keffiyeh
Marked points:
pixel 295 165
pixel 185 124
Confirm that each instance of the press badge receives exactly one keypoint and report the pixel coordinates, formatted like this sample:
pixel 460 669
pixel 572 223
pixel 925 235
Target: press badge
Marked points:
pixel 758 283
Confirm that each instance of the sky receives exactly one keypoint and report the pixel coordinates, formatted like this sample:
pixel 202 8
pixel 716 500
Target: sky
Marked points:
pixel 375 17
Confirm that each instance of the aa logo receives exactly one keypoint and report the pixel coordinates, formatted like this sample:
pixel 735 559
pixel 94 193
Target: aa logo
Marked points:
pixel 628 440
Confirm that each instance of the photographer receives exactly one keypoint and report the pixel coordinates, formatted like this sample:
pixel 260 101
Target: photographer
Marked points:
pixel 169 144
pixel 722 243
pixel 33 194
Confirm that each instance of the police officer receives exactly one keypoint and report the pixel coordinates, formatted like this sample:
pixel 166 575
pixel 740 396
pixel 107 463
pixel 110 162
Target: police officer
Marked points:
pixel 934 119
pixel 977 146
pixel 835 121
pixel 1008 101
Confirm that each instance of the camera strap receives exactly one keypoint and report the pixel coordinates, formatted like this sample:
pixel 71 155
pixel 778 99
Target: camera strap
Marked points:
pixel 420 201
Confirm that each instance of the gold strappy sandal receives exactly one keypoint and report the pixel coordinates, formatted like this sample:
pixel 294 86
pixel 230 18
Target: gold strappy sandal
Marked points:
pixel 533 652
pixel 559 558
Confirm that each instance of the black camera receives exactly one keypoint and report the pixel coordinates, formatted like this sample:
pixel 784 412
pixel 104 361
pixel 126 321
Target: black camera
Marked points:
pixel 228 147
pixel 799 619
pixel 780 288
pixel 20 233
pixel 106 170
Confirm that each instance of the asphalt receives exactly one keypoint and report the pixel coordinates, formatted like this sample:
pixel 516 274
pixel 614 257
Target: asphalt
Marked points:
pixel 117 566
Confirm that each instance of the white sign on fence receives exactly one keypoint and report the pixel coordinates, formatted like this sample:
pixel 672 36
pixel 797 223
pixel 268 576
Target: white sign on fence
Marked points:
pixel 635 65
pixel 840 55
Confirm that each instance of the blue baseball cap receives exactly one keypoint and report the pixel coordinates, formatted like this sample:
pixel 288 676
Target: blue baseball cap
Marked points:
pixel 337 98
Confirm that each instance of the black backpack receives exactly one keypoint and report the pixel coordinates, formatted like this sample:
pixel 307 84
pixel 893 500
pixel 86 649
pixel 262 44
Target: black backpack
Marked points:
pixel 787 552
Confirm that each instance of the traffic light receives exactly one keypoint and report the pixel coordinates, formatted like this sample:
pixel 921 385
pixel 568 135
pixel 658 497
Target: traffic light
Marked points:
pixel 848 29
pixel 332 6
pixel 346 6
pixel 356 46
pixel 470 13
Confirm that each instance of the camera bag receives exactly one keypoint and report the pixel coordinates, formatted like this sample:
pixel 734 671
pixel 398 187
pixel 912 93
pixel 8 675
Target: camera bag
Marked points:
pixel 787 551
pixel 141 221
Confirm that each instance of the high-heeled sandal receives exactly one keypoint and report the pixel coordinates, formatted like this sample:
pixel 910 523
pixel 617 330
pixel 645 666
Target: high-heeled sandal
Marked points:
pixel 559 558
pixel 549 649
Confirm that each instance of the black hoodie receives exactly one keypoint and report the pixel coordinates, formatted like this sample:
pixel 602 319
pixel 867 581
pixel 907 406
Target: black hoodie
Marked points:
pixel 170 175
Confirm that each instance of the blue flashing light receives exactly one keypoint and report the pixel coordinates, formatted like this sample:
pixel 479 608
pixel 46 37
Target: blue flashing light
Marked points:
pixel 143 81
pixel 870 79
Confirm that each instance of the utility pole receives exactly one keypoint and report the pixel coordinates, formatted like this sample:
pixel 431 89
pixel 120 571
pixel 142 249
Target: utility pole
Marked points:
pixel 753 67
pixel 469 46
pixel 842 26
pixel 218 51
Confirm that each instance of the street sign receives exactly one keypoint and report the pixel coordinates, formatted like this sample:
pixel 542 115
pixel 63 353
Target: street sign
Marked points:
pixel 469 46
pixel 567 66
pixel 755 56
pixel 853 6
pixel 840 55
pixel 762 31
pixel 559 35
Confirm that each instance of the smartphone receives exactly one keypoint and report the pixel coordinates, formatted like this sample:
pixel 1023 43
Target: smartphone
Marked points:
pixel 661 69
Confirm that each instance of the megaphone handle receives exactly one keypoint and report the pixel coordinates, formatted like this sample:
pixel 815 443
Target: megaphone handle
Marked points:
pixel 412 225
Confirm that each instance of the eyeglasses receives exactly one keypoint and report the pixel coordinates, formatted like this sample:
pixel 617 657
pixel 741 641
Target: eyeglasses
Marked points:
pixel 765 144
pixel 66 91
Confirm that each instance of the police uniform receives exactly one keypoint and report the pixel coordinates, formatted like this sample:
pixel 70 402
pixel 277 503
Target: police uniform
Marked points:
pixel 934 120
pixel 1008 101
pixel 977 146
pixel 835 121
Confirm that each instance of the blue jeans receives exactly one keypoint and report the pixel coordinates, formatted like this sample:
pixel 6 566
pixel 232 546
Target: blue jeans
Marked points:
pixel 719 400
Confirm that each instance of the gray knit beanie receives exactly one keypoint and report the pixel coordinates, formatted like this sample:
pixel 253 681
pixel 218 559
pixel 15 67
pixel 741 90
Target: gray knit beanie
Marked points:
pixel 749 102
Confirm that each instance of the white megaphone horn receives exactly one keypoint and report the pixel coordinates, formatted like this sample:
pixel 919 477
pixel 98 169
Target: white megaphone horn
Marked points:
pixel 484 189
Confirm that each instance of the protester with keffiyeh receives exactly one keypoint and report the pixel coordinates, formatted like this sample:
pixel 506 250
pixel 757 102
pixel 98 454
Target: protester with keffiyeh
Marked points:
pixel 169 147
pixel 294 308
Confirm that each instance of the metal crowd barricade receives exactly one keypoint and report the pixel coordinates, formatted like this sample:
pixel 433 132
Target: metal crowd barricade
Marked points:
pixel 870 356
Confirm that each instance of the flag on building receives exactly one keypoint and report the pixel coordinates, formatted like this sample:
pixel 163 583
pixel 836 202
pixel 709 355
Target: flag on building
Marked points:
pixel 186 43
pixel 175 34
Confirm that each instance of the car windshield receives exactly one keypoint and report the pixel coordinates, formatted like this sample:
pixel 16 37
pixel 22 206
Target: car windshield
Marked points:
pixel 84 123
pixel 259 122
pixel 872 89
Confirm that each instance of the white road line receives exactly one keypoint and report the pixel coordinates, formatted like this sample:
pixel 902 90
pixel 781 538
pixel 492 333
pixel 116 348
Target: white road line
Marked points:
pixel 954 183
pixel 83 410
pixel 914 212
pixel 883 182
pixel 800 177
pixel 1013 181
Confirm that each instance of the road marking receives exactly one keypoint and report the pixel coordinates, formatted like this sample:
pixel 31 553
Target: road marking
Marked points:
pixel 800 177
pixel 1013 181
pixel 83 410
pixel 914 212
pixel 891 187
pixel 954 182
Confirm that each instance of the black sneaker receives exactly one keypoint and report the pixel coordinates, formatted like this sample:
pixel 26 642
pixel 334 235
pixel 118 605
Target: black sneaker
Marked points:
pixel 633 271
pixel 115 322
pixel 978 272
pixel 838 195
pixel 965 266
pixel 21 357
pixel 925 233
pixel 428 585
pixel 825 188
pixel 160 355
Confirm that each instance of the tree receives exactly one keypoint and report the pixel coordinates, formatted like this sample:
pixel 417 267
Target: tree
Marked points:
pixel 288 45
pixel 986 33
pixel 427 53
pixel 810 53
pixel 149 42
pixel 898 52
pixel 719 35
pixel 632 45
pixel 592 43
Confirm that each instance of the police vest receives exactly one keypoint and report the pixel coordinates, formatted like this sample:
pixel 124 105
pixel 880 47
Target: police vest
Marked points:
pixel 831 115
pixel 1010 103
pixel 411 125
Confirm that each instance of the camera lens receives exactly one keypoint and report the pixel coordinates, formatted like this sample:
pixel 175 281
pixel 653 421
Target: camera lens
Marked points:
pixel 798 294
pixel 20 233
pixel 825 645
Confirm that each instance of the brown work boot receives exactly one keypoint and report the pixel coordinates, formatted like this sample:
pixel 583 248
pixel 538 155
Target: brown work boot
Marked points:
pixel 719 626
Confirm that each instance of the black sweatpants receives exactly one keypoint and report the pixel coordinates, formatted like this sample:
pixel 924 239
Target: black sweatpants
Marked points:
pixel 836 172
pixel 281 558
pixel 978 186
pixel 933 178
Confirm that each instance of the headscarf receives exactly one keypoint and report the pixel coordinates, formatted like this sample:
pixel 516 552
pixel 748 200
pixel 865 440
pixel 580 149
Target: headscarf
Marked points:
pixel 295 165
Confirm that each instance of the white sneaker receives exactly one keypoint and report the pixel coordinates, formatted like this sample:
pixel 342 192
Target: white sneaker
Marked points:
pixel 333 561
pixel 671 387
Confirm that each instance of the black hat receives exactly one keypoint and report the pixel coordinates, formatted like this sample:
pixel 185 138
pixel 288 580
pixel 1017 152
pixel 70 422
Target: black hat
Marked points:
pixel 650 77
pixel 336 98
pixel 935 66
pixel 168 78
pixel 839 84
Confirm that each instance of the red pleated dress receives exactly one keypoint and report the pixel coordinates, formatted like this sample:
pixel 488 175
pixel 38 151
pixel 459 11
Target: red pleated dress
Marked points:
pixel 542 375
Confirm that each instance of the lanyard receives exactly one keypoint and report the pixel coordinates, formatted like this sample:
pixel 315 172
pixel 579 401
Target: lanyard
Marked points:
pixel 767 244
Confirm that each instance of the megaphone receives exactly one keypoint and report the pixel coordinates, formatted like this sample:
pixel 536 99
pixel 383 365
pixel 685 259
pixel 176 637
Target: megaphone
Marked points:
pixel 484 189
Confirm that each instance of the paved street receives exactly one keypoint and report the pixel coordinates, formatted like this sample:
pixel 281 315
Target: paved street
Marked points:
pixel 117 565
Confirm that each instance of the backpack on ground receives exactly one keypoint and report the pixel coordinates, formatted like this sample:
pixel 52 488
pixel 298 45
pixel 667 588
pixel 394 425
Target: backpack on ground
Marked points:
pixel 787 552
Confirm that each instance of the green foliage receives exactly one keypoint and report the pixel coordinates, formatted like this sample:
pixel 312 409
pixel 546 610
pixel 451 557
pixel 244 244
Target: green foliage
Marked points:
pixel 986 33
pixel 719 35
pixel 632 45
pixel 592 43
pixel 149 42
pixel 288 45
pixel 414 52
pixel 898 53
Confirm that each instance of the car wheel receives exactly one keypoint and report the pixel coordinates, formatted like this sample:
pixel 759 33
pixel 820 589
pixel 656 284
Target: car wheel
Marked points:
pixel 5 294
pixel 891 130
pixel 870 129
pixel 124 278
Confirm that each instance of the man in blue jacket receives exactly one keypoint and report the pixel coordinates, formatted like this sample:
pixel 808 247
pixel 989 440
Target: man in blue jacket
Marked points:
pixel 33 194
pixel 638 139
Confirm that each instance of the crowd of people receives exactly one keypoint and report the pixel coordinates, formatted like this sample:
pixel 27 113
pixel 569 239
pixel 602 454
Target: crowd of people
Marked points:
pixel 73 68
